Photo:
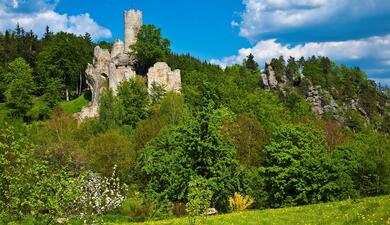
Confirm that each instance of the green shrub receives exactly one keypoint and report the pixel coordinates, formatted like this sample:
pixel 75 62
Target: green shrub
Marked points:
pixel 108 150
pixel 134 99
pixel 137 208
pixel 194 148
pixel 30 187
pixel 39 111
pixel 299 169
pixel 373 155
pixel 240 202
pixel 199 198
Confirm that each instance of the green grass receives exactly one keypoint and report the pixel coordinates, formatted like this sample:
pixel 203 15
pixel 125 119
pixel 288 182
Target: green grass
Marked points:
pixel 364 211
pixel 75 105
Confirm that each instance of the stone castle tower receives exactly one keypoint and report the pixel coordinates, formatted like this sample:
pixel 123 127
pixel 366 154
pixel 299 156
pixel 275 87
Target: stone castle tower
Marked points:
pixel 133 24
pixel 110 69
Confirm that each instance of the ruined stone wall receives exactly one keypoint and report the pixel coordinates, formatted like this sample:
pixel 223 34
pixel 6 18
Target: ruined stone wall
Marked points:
pixel 133 24
pixel 118 48
pixel 109 70
pixel 161 74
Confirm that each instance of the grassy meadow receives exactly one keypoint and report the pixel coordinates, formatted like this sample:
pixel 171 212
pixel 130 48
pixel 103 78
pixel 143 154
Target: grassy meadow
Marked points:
pixel 363 211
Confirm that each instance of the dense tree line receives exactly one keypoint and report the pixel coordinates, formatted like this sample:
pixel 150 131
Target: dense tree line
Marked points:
pixel 55 65
pixel 222 134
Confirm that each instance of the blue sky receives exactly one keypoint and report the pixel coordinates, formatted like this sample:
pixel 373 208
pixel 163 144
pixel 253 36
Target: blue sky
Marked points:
pixel 354 32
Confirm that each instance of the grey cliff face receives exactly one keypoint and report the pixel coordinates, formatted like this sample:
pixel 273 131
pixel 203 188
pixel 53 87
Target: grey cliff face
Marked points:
pixel 268 78
pixel 314 98
pixel 321 101
pixel 264 81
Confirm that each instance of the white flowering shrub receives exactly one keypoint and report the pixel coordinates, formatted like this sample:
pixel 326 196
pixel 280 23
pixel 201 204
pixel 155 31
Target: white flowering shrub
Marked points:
pixel 99 195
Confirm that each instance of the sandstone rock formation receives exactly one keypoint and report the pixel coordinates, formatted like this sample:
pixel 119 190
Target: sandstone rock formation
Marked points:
pixel 321 101
pixel 269 80
pixel 314 98
pixel 109 70
pixel 105 72
pixel 162 74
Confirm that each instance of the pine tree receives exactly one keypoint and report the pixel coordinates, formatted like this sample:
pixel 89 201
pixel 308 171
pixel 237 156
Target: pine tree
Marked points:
pixel 251 64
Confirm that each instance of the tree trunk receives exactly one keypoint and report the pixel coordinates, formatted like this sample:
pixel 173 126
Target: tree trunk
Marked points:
pixel 67 94
pixel 81 83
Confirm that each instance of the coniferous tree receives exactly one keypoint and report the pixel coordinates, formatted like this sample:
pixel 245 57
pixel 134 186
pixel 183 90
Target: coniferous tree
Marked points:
pixel 65 57
pixel 48 34
pixel 251 64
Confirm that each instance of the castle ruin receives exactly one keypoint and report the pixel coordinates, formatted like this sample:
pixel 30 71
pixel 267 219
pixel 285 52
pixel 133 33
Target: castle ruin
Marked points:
pixel 110 69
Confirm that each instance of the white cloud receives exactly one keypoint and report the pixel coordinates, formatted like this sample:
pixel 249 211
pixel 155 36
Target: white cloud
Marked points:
pixel 234 24
pixel 373 48
pixel 32 17
pixel 382 81
pixel 15 3
pixel 268 16
pixel 84 23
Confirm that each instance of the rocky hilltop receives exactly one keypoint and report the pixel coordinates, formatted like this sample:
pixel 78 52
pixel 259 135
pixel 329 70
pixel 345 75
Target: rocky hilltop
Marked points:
pixel 109 69
pixel 325 99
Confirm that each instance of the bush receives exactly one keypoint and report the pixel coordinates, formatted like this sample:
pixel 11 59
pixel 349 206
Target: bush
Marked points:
pixel 39 111
pixel 299 169
pixel 240 202
pixel 373 155
pixel 134 99
pixel 99 195
pixel 150 48
pixel 30 187
pixel 194 148
pixel 252 184
pixel 137 207
pixel 108 150
pixel 199 198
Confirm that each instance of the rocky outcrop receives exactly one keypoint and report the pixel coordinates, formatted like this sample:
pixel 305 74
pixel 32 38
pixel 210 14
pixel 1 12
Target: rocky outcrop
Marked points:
pixel 97 73
pixel 322 103
pixel 321 100
pixel 109 70
pixel 314 98
pixel 264 81
pixel 355 106
pixel 87 113
pixel 268 78
pixel 161 74
pixel 105 72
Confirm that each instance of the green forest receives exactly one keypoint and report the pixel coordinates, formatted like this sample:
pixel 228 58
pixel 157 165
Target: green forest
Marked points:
pixel 225 142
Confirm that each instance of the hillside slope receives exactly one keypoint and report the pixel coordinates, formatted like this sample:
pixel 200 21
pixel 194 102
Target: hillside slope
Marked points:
pixel 364 211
